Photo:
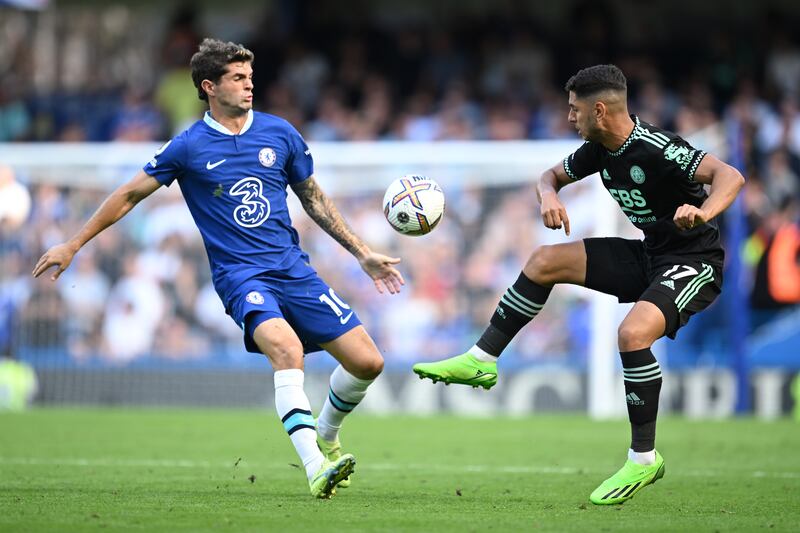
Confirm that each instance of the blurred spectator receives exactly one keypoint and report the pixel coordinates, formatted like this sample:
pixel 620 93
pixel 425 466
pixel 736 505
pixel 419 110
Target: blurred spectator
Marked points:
pixel 42 317
pixel 777 275
pixel 655 105
pixel 782 182
pixel 134 310
pixel 305 72
pixel 85 290
pixel 210 315
pixel 175 94
pixel 783 63
pixel 15 201
pixel 137 119
pixel 331 122
pixel 15 119
pixel 420 122
pixel 15 287
pixel 175 340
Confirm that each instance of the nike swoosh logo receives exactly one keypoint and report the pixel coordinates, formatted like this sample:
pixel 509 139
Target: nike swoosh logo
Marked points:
pixel 210 165
pixel 345 319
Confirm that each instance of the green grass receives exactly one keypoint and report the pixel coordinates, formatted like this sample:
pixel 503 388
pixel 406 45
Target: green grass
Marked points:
pixel 154 470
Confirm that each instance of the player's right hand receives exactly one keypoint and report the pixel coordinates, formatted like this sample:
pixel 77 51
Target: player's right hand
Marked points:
pixel 380 268
pixel 59 255
pixel 554 214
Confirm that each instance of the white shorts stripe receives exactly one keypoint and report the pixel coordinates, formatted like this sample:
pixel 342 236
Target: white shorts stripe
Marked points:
pixel 691 290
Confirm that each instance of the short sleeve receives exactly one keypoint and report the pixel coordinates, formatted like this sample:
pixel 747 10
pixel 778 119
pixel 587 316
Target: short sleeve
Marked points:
pixel 169 161
pixel 585 161
pixel 300 164
pixel 681 159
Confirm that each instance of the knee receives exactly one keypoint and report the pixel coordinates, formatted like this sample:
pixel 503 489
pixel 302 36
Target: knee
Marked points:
pixel 282 359
pixel 282 351
pixel 631 336
pixel 540 266
pixel 369 369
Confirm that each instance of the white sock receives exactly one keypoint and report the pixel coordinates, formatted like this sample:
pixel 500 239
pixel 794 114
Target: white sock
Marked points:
pixel 294 410
pixel 642 458
pixel 344 395
pixel 481 355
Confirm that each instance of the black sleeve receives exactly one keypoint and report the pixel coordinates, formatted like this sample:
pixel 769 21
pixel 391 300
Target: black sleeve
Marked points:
pixel 681 159
pixel 583 162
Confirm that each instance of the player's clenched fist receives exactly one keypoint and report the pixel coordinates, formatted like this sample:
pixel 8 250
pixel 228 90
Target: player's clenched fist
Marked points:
pixel 554 213
pixel 688 216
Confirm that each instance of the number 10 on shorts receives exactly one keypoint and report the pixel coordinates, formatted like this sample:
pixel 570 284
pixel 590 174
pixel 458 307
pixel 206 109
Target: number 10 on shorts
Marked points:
pixel 334 302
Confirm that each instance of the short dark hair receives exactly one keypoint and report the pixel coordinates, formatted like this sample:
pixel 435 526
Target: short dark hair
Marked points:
pixel 598 78
pixel 211 59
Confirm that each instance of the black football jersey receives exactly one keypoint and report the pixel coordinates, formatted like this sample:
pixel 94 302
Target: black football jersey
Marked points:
pixel 650 176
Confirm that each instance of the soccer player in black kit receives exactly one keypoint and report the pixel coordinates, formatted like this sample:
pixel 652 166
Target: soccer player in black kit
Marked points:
pixel 657 179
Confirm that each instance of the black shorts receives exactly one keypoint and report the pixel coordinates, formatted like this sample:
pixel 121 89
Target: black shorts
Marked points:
pixel 679 285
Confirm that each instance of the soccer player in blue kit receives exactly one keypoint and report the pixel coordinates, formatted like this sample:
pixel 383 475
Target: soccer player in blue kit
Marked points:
pixel 233 168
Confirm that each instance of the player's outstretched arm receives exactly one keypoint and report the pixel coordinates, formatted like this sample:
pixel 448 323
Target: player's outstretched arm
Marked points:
pixel 725 183
pixel 554 214
pixel 320 208
pixel 122 200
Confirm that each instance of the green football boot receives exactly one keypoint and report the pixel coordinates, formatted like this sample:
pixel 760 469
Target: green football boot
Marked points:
pixel 627 482
pixel 464 369
pixel 323 484
pixel 332 450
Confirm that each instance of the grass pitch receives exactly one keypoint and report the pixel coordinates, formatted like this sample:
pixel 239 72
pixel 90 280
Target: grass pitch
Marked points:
pixel 199 470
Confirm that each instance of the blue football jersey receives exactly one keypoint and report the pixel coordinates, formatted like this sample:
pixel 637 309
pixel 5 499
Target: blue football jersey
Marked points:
pixel 235 187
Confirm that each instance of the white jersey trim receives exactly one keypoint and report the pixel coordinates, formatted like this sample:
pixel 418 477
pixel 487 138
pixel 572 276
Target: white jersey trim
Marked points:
pixel 222 129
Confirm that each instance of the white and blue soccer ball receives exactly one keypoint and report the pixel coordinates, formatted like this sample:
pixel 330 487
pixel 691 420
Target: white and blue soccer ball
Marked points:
pixel 413 204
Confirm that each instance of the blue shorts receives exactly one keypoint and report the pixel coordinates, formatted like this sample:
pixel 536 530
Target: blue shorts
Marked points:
pixel 315 312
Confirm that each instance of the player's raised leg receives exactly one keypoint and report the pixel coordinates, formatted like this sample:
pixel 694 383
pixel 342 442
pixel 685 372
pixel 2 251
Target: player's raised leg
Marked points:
pixel 547 265
pixel 360 363
pixel 278 341
pixel 643 325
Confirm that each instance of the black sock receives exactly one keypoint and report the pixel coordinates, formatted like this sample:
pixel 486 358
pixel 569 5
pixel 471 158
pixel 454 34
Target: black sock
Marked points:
pixel 520 303
pixel 642 376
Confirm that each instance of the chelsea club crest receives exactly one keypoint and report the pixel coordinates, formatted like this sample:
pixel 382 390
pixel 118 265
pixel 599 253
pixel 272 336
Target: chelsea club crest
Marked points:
pixel 254 297
pixel 267 157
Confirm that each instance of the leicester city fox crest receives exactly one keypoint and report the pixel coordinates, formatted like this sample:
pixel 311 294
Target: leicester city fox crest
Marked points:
pixel 637 174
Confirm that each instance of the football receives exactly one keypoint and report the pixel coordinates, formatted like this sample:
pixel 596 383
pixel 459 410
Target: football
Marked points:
pixel 413 204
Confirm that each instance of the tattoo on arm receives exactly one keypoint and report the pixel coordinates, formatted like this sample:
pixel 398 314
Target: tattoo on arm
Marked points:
pixel 322 211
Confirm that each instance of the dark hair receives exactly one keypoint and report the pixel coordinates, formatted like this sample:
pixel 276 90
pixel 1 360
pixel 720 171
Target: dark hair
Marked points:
pixel 598 78
pixel 211 59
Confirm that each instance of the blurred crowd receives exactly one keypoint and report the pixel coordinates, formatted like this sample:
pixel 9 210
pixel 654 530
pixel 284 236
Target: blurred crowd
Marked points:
pixel 145 288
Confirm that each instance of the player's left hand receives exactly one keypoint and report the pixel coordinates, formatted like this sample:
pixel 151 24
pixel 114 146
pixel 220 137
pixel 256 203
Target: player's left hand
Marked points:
pixel 380 269
pixel 688 217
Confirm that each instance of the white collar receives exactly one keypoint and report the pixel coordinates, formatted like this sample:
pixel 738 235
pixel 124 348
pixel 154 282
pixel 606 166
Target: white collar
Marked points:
pixel 222 129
